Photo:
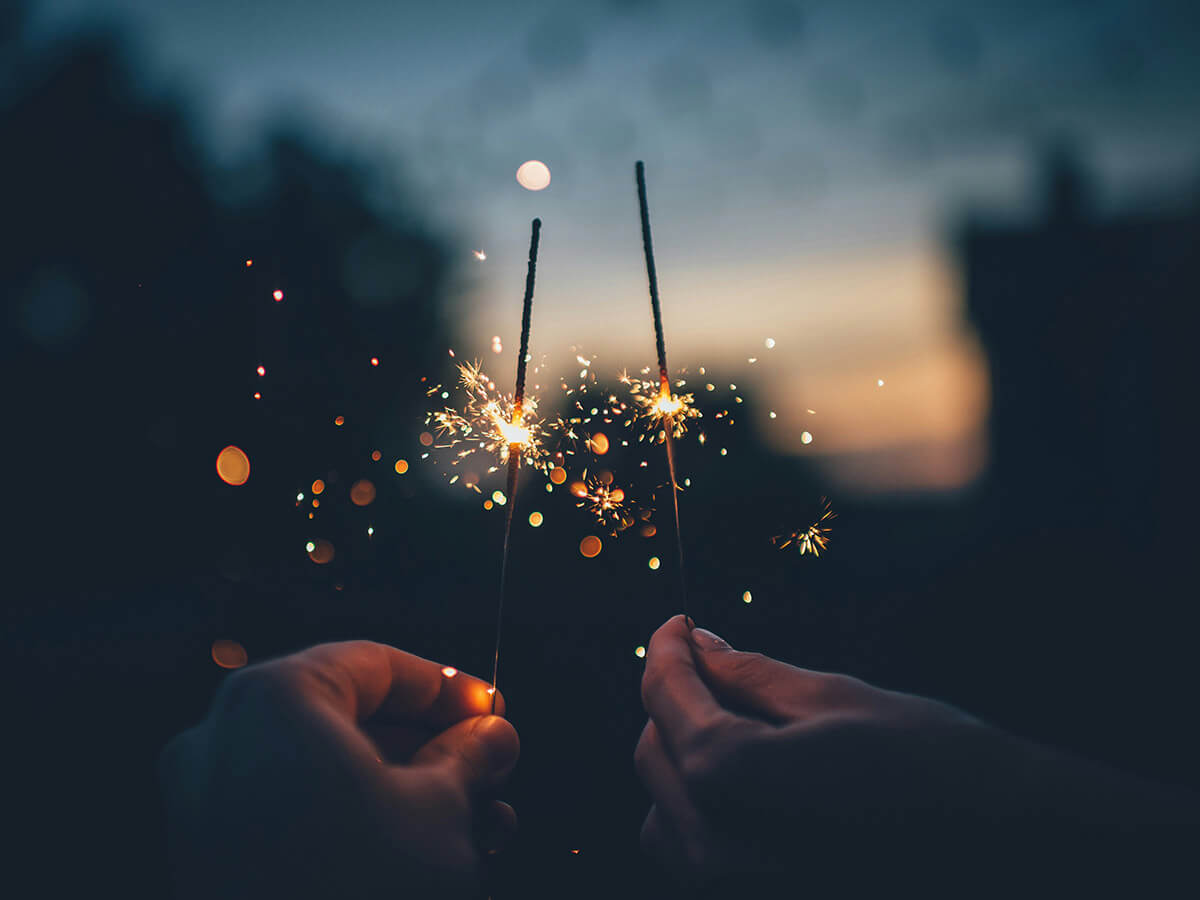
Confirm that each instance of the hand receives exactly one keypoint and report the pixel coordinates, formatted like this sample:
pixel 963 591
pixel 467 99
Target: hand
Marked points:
pixel 751 761
pixel 347 770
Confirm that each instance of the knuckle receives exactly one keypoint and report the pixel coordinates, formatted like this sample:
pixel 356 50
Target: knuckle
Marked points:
pixel 252 687
pixel 716 756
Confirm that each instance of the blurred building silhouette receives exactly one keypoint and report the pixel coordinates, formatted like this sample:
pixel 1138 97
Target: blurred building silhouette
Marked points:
pixel 1088 325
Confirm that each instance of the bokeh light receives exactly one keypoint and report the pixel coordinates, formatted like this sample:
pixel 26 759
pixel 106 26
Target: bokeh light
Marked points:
pixel 426 439
pixel 533 175
pixel 401 466
pixel 322 551
pixel 318 486
pixel 535 519
pixel 261 370
pixel 598 443
pixel 233 465
pixel 376 455
pixel 640 653
pixel 805 437
pixel 558 474
pixel 228 654
pixel 374 360
pixel 362 492
pixel 498 498
pixel 278 295
pixel 340 421
pixel 449 671
pixel 746 597
pixel 654 563
pixel 590 546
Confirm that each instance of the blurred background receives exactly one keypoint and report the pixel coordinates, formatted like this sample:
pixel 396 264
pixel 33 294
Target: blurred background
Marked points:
pixel 940 260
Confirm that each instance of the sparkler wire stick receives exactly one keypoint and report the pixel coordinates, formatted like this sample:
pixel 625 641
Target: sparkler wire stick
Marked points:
pixel 664 379
pixel 514 449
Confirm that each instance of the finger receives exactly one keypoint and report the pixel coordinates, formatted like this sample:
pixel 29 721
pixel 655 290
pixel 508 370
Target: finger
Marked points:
pixel 661 778
pixel 363 678
pixel 497 826
pixel 678 701
pixel 662 843
pixel 479 752
pixel 765 687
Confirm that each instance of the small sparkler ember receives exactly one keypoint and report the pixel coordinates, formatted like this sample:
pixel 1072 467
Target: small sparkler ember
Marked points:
pixel 519 438
pixel 667 408
pixel 606 502
pixel 813 539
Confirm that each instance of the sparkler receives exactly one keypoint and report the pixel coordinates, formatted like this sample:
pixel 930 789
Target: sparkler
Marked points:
pixel 518 438
pixel 667 408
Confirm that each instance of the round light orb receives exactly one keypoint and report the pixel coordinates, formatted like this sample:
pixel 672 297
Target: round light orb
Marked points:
pixel 233 465
pixel 533 175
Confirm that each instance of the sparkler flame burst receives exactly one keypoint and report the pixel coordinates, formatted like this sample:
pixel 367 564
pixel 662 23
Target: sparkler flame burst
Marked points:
pixel 658 407
pixel 489 422
pixel 606 502
pixel 815 538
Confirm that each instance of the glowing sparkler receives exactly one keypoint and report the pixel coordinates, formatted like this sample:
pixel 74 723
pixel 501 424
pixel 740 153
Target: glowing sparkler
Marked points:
pixel 667 408
pixel 489 422
pixel 519 437
pixel 814 538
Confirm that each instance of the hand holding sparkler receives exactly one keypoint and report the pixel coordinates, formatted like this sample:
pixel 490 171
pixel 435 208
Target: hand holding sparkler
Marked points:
pixel 348 770
pixel 749 760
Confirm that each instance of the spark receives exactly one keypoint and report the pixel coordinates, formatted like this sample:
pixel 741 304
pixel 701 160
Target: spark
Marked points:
pixel 374 360
pixel 879 382
pixel 658 408
pixel 479 255
pixel 489 422
pixel 640 653
pixel 261 370
pixel 806 437
pixel 604 501
pixel 449 671
pixel 278 295
pixel 769 343
pixel 815 538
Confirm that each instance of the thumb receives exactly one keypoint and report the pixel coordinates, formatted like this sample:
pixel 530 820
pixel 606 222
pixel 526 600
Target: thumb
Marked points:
pixel 480 751
pixel 752 683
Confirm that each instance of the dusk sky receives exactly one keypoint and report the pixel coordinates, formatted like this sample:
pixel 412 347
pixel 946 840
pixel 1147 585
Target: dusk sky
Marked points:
pixel 806 164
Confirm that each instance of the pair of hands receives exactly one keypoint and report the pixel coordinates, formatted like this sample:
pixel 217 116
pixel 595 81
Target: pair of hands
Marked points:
pixel 349 766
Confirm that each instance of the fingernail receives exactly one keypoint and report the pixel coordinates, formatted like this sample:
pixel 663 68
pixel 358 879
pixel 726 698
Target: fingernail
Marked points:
pixel 706 640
